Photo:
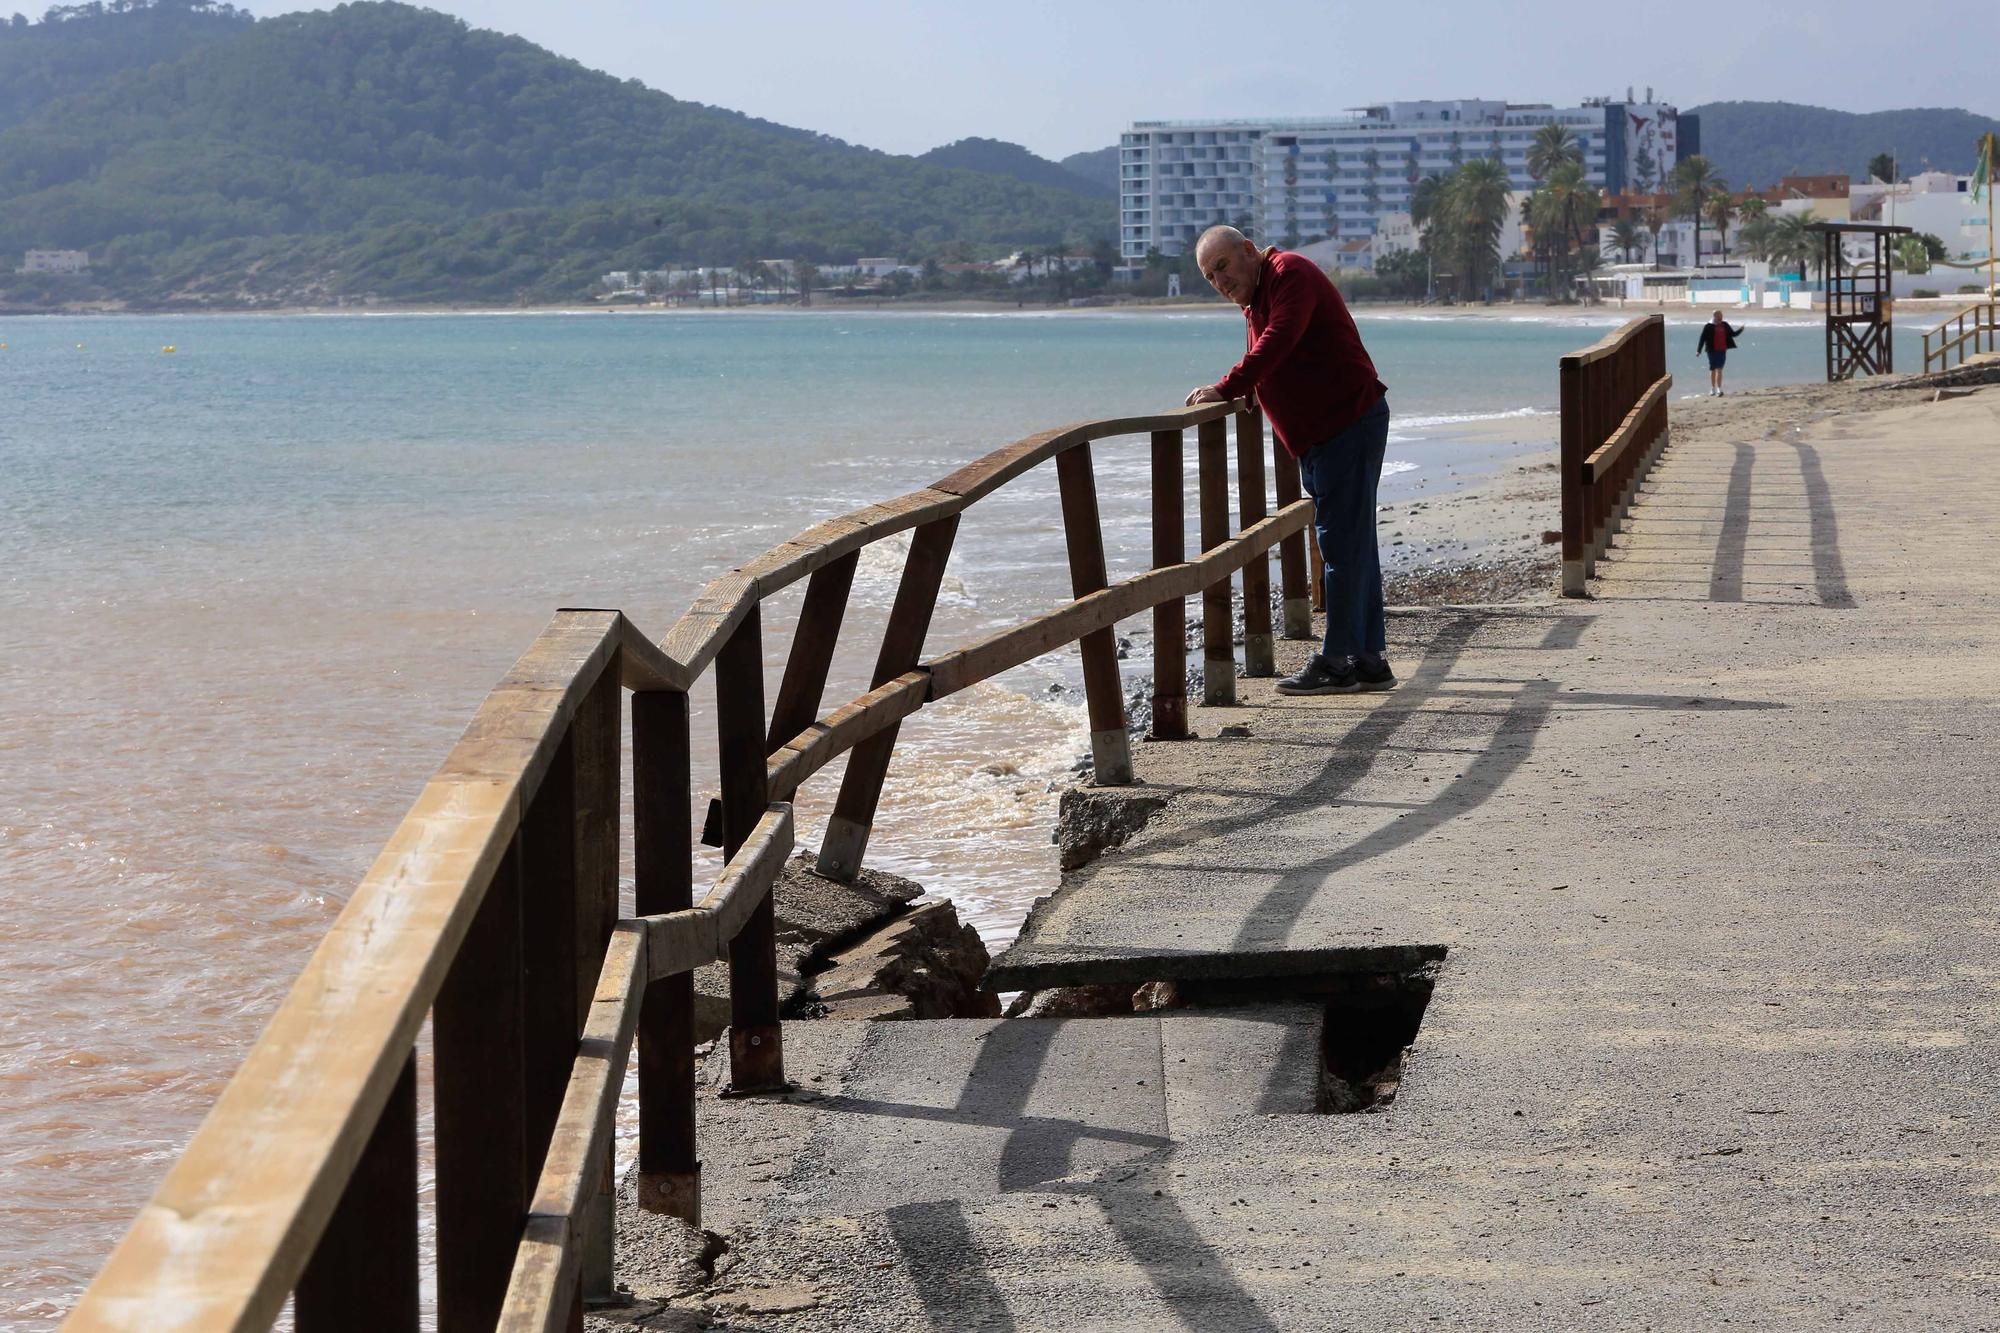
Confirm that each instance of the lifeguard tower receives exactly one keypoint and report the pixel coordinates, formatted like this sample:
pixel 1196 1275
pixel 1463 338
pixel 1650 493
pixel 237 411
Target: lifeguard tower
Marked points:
pixel 1858 327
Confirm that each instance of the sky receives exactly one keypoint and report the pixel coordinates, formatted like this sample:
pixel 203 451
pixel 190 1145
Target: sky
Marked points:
pixel 1062 78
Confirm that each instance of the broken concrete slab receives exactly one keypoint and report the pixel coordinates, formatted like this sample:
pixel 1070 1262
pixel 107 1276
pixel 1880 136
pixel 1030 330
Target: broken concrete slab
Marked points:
pixel 813 915
pixel 925 964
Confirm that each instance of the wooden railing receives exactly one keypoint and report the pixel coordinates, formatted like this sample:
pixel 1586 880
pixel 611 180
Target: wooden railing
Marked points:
pixel 1972 330
pixel 1614 425
pixel 493 910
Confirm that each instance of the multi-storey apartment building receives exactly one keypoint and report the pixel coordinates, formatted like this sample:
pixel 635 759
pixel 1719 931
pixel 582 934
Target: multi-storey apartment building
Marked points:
pixel 1294 180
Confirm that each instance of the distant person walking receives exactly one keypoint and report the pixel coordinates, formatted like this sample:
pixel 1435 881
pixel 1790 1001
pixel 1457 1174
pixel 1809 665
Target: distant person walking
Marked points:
pixel 1317 386
pixel 1716 340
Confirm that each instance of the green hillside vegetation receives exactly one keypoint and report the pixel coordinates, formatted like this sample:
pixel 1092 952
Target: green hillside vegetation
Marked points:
pixel 77 47
pixel 1099 164
pixel 1755 143
pixel 383 149
pixel 1010 159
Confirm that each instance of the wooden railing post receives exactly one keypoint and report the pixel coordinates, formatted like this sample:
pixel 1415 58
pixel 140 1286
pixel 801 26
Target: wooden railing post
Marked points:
pixel 1292 550
pixel 1259 653
pixel 560 865
pixel 1170 616
pixel 1218 657
pixel 363 1271
pixel 813 642
pixel 902 644
pixel 756 1049
pixel 599 793
pixel 1574 430
pixel 479 1079
pixel 663 881
pixel 1104 692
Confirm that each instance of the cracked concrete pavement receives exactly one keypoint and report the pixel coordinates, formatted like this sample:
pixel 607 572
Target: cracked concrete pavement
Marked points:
pixel 1709 859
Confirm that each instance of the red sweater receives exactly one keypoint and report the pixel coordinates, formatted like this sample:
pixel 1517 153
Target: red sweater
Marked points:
pixel 1306 363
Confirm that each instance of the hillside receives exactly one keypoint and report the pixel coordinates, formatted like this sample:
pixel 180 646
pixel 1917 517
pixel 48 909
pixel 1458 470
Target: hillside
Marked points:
pixel 1099 164
pixel 1754 143
pixel 1010 159
pixel 74 49
pixel 397 143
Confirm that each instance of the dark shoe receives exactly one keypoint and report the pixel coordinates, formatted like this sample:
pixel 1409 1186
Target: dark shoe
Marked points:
pixel 1377 677
pixel 1321 677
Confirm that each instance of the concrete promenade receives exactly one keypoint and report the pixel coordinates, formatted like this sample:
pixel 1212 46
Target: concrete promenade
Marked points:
pixel 1704 870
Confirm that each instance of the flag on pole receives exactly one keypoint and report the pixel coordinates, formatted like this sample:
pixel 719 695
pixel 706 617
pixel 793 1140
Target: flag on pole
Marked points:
pixel 1982 175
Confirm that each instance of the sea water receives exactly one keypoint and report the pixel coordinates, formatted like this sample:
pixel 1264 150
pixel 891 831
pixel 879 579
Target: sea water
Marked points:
pixel 253 587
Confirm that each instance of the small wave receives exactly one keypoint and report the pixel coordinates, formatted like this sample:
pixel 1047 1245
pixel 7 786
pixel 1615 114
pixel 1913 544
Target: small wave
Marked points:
pixel 1464 418
pixel 1395 465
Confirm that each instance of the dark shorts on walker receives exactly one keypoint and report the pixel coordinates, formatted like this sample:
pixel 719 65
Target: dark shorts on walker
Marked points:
pixel 1716 358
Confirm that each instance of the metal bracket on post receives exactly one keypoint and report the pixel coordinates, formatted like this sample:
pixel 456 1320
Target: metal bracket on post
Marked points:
pixel 756 1061
pixel 674 1193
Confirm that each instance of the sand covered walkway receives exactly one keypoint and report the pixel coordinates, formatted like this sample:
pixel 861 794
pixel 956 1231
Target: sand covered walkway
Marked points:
pixel 1701 869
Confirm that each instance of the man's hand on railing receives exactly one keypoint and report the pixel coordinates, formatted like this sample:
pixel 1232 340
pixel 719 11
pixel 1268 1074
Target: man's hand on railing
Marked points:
pixel 1207 393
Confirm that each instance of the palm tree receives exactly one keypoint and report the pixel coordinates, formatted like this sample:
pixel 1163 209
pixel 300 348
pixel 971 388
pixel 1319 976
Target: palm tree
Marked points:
pixel 1425 196
pixel 1625 234
pixel 1476 196
pixel 1792 243
pixel 1552 146
pixel 1694 180
pixel 1656 218
pixel 1722 212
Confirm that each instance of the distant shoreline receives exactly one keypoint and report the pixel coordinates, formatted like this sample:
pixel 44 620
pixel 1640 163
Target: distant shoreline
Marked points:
pixel 1501 311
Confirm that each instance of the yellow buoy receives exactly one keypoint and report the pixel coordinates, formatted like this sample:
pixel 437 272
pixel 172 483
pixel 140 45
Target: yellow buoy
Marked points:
pixel 168 348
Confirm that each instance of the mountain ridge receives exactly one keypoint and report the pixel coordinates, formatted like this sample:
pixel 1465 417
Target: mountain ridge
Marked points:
pixel 1755 143
pixel 313 142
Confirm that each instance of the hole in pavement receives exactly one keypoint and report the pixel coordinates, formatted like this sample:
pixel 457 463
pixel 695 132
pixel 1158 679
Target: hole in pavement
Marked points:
pixel 1368 1019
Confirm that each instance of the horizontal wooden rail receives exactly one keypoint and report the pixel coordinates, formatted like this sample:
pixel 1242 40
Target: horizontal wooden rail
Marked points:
pixel 1614 425
pixel 544 1280
pixel 226 1235
pixel 694 640
pixel 843 729
pixel 990 656
pixel 1611 452
pixel 491 909
pixel 1984 328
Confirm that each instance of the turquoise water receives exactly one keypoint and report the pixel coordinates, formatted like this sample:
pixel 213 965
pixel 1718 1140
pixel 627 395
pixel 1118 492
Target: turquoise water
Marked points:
pixel 250 592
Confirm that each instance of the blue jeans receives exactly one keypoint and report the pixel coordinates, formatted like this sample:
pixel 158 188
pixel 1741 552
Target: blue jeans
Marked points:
pixel 1342 475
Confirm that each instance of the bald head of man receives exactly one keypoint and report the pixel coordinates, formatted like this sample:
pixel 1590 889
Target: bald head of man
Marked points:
pixel 1230 262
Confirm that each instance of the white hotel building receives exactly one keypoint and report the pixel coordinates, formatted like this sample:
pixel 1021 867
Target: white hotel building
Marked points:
pixel 1340 176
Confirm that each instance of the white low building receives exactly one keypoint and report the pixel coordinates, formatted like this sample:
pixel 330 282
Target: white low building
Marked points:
pixel 56 261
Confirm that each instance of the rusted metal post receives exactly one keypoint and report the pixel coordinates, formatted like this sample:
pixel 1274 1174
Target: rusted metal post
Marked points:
pixel 1104 692
pixel 756 1050
pixel 663 881
pixel 1572 399
pixel 1218 657
pixel 1169 617
pixel 813 642
pixel 1259 653
pixel 363 1271
pixel 902 645
pixel 480 1096
pixel 1292 550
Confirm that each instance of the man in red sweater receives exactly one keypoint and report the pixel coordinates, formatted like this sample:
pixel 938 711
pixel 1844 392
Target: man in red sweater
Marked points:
pixel 1320 393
